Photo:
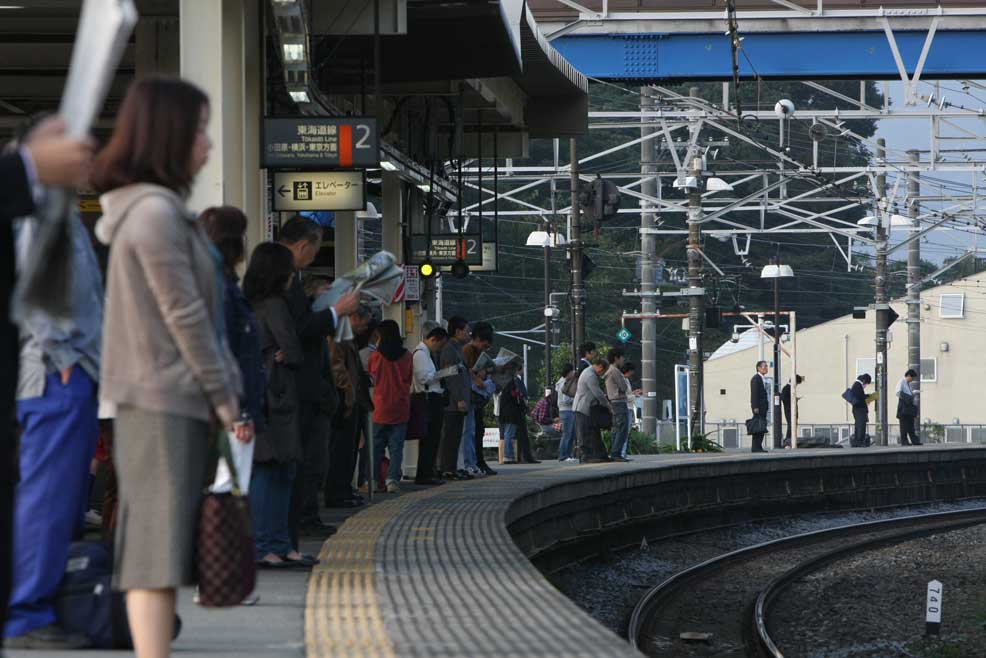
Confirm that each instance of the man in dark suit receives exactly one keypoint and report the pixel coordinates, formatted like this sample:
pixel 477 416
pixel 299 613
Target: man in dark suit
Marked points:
pixel 318 399
pixel 786 403
pixel 860 411
pixel 587 354
pixel 49 158
pixel 759 402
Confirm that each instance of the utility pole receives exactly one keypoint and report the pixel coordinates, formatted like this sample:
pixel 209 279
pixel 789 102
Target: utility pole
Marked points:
pixel 696 301
pixel 776 401
pixel 913 285
pixel 880 295
pixel 648 247
pixel 547 308
pixel 578 290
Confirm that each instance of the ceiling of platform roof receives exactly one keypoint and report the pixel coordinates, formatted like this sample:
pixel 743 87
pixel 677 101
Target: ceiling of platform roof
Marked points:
pixel 466 40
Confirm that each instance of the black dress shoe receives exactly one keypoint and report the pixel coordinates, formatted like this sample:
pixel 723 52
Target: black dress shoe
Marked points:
pixel 464 475
pixel 487 470
pixel 50 638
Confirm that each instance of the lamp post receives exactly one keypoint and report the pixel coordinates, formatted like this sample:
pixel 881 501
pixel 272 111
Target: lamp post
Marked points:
pixel 547 239
pixel 776 272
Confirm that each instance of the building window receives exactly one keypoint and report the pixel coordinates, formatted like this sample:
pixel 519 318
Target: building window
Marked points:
pixel 866 367
pixel 929 370
pixel 952 306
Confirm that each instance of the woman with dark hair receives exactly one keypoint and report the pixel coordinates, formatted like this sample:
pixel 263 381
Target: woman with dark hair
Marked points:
pixel 167 365
pixel 907 409
pixel 391 369
pixel 278 448
pixel 226 227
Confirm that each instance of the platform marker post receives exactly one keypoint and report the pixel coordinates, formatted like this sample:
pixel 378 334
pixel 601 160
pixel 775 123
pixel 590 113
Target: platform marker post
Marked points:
pixel 932 625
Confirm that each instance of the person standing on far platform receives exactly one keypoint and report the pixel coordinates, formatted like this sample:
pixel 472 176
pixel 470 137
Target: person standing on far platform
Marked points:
pixel 786 403
pixel 459 389
pixel 566 448
pixel 617 389
pixel 759 403
pixel 427 390
pixel 391 369
pixel 907 410
pixel 587 355
pixel 589 395
pixel 860 411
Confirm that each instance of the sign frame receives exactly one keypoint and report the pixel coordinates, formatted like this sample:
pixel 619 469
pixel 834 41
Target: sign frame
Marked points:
pixel 278 200
pixel 357 143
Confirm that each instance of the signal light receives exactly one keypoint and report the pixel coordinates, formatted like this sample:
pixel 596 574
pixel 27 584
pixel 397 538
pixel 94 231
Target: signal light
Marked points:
pixel 427 269
pixel 460 269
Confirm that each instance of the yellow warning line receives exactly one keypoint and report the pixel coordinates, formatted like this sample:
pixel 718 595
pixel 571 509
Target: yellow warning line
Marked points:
pixel 342 614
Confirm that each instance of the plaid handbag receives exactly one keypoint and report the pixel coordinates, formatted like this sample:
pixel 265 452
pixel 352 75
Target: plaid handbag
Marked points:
pixel 225 564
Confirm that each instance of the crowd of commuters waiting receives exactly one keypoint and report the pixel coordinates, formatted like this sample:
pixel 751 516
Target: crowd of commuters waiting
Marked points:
pixel 166 341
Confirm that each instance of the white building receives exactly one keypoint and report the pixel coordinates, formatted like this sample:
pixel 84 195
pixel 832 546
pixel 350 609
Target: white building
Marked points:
pixel 831 355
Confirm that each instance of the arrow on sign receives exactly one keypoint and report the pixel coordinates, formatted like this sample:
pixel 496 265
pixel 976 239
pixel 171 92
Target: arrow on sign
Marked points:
pixel 283 191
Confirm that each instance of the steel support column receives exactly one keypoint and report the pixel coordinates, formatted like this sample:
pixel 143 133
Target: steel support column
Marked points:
pixel 696 302
pixel 648 248
pixel 578 289
pixel 914 285
pixel 880 297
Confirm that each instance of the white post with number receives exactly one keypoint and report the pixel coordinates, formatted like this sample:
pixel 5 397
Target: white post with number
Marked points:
pixel 933 609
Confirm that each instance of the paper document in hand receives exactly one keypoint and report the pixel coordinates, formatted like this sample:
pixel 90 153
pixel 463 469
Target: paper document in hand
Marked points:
pixel 243 463
pixel 871 397
pixel 447 372
pixel 484 362
pixel 377 278
pixel 104 30
pixel 505 357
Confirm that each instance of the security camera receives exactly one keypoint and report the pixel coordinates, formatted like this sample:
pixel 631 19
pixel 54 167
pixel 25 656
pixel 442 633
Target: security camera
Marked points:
pixel 784 109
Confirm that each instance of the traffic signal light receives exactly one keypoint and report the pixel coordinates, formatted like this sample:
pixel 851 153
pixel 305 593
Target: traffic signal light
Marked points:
pixel 600 200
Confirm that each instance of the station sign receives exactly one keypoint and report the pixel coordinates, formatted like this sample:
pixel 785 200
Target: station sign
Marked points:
pixel 412 283
pixel 320 142
pixel 488 264
pixel 447 249
pixel 319 190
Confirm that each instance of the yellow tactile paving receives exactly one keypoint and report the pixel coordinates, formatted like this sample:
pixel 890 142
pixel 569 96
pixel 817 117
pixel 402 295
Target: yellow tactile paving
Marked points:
pixel 342 615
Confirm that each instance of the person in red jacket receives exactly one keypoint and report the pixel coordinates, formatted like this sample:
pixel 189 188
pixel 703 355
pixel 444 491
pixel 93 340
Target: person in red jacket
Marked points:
pixel 392 369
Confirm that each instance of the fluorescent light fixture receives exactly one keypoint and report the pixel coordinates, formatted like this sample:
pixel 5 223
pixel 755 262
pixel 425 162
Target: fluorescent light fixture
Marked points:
pixel 11 6
pixel 424 187
pixel 776 272
pixel 545 239
pixel 895 220
pixel 300 96
pixel 388 165
pixel 690 183
pixel 284 2
pixel 294 52
pixel 717 185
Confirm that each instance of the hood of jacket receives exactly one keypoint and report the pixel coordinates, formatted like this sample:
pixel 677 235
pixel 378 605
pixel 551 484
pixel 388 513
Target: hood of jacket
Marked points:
pixel 117 204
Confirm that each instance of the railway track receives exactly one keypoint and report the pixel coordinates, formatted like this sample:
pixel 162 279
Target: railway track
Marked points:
pixel 721 607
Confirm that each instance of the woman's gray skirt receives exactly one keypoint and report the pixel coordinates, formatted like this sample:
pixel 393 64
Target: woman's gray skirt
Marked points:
pixel 160 461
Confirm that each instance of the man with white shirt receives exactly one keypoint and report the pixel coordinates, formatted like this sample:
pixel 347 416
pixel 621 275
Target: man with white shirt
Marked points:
pixel 426 385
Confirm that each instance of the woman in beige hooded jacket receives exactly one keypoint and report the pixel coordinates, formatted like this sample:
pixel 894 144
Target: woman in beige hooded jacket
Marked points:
pixel 167 367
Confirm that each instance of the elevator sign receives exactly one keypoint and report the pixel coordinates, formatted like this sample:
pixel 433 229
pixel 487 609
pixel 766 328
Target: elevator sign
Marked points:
pixel 319 190
pixel 327 142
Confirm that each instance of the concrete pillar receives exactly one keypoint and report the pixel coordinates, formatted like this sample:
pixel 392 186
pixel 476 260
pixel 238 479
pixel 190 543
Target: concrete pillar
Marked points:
pixel 220 52
pixel 346 247
pixel 393 235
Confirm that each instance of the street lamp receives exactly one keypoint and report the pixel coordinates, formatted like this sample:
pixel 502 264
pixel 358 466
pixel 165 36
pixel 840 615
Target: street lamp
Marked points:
pixel 547 239
pixel 776 271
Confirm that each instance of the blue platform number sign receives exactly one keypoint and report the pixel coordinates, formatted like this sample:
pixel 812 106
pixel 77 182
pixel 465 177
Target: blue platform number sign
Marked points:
pixel 623 335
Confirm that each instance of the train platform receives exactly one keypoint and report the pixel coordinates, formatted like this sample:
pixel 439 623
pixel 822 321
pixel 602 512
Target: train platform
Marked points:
pixel 457 570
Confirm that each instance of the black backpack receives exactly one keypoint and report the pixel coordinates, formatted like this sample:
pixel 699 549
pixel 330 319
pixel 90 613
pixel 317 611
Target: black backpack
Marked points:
pixel 86 603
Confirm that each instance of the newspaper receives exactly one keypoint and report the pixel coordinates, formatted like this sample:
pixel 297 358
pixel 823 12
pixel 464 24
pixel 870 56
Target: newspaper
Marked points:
pixel 104 29
pixel 378 279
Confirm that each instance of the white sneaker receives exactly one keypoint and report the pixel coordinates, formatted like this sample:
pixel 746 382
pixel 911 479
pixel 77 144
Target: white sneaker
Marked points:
pixel 252 599
pixel 393 487
pixel 94 518
pixel 475 472
pixel 570 460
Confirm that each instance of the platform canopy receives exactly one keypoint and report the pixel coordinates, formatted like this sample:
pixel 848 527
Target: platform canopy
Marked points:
pixel 671 40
